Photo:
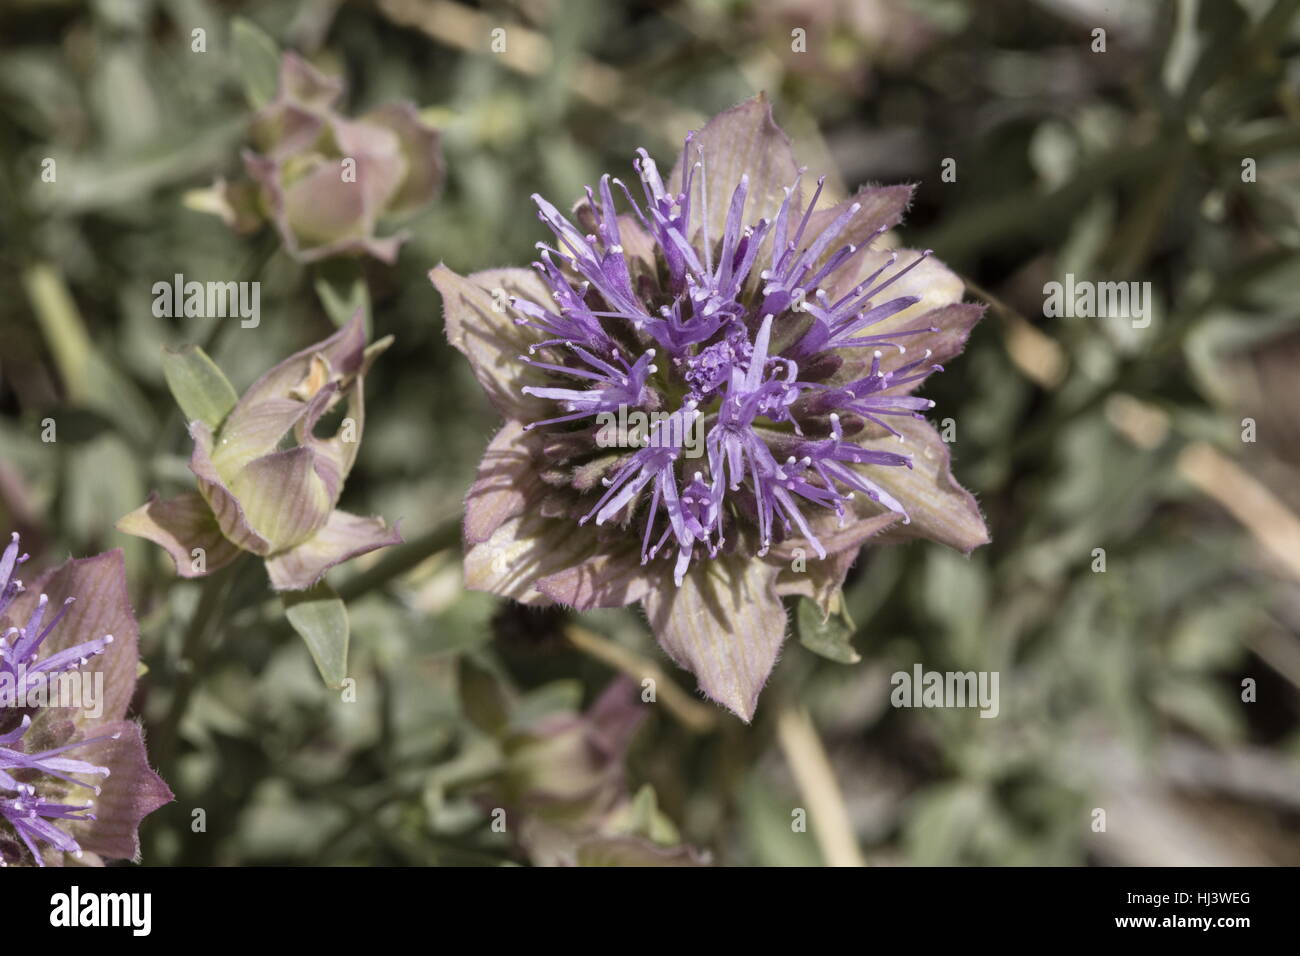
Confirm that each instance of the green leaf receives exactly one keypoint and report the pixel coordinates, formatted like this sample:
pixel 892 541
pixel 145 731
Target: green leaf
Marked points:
pixel 831 638
pixel 199 387
pixel 257 58
pixel 91 379
pixel 644 819
pixel 321 619
pixel 944 820
pixel 341 286
pixel 103 179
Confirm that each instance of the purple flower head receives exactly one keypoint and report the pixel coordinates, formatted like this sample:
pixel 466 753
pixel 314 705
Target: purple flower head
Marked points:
pixel 74 776
pixel 771 321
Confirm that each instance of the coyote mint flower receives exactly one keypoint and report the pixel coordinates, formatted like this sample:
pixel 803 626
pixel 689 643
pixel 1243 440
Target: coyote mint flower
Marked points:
pixel 268 484
pixel 325 180
pixel 732 299
pixel 71 782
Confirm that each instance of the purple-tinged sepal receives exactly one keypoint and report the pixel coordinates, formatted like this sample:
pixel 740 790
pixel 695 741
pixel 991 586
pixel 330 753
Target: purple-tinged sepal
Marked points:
pixel 563 780
pixel 258 496
pixel 75 779
pixel 325 181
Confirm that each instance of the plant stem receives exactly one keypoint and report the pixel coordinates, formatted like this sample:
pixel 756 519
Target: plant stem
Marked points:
pixel 194 651
pixel 397 560
pixel 695 716
pixel 401 558
pixel 821 791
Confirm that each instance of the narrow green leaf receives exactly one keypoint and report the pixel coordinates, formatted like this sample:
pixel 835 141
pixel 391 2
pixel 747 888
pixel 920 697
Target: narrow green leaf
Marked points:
pixel 831 638
pixel 257 57
pixel 644 819
pixel 199 387
pixel 341 287
pixel 64 331
pixel 321 619
pixel 92 380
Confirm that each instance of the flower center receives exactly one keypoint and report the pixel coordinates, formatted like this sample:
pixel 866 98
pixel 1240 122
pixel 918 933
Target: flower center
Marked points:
pixel 705 304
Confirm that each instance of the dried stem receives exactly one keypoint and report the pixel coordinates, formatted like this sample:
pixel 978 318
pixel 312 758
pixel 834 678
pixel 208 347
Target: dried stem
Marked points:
pixel 821 791
pixel 691 713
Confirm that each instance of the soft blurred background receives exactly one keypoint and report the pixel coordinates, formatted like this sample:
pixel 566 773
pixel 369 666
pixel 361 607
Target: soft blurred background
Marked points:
pixel 1121 689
